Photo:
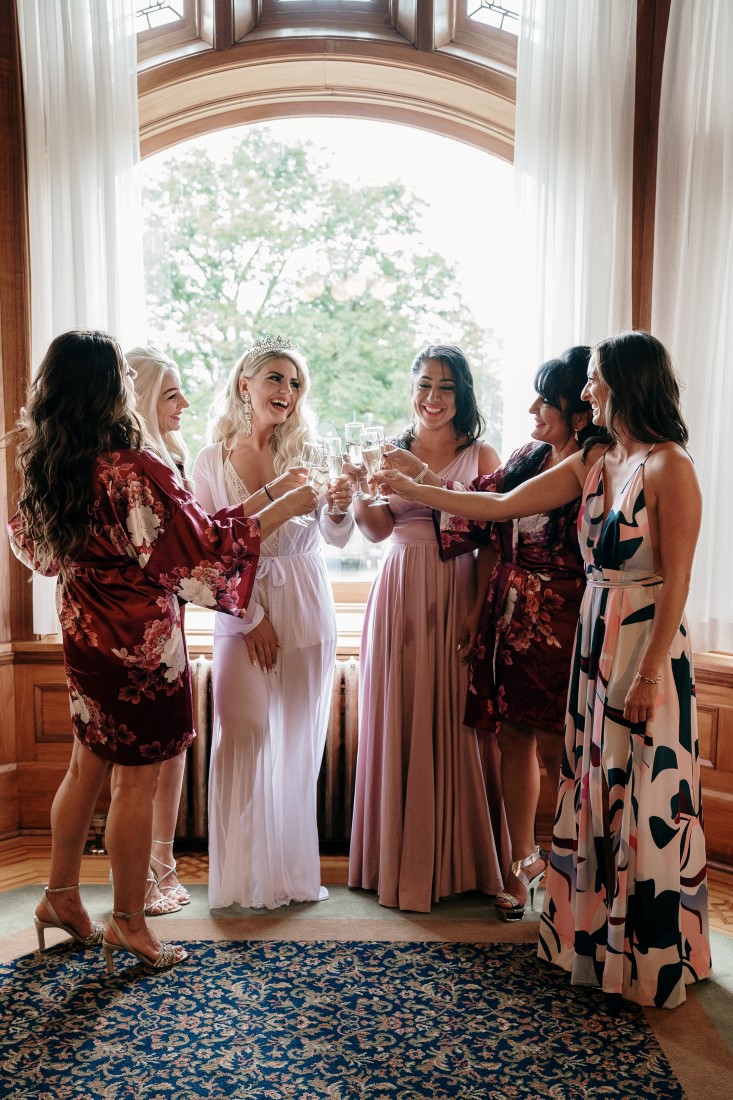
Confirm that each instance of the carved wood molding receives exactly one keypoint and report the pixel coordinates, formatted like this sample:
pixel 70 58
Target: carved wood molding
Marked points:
pixel 270 80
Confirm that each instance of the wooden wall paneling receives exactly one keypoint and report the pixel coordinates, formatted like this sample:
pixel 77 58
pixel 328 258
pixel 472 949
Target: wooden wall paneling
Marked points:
pixel 9 805
pixel 651 32
pixel 707 729
pixel 41 722
pixel 15 596
pixel 9 801
pixel 714 680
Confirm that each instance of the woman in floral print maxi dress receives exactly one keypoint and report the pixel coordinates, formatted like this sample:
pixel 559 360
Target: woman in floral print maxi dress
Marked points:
pixel 626 901
pixel 642 782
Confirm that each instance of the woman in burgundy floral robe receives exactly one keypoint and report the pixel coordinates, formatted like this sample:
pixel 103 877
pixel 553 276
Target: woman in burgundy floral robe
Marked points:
pixel 129 545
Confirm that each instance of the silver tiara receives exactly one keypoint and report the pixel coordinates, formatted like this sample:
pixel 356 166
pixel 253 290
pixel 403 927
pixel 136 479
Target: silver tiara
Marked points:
pixel 272 343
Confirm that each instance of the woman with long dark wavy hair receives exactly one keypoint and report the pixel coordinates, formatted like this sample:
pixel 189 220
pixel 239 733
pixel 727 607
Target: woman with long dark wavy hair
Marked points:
pixel 423 824
pixel 518 637
pixel 128 544
pixel 626 901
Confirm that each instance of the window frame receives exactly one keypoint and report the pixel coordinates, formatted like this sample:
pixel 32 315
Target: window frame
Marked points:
pixel 472 37
pixel 172 36
pixel 295 12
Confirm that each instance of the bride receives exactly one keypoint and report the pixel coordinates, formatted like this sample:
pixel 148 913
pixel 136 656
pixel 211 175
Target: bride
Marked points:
pixel 273 672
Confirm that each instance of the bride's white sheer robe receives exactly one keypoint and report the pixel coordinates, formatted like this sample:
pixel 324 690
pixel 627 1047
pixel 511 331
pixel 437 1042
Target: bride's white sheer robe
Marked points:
pixel 270 729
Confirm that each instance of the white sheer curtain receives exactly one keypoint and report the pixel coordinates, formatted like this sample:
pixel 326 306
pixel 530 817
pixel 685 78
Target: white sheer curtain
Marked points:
pixel 80 84
pixel 692 302
pixel 573 161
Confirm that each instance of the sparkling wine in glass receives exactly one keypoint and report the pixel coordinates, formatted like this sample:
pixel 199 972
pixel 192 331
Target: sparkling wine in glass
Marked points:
pixel 372 453
pixel 354 436
pixel 335 460
pixel 312 456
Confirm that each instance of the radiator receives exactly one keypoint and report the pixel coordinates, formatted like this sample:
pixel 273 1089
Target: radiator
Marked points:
pixel 336 779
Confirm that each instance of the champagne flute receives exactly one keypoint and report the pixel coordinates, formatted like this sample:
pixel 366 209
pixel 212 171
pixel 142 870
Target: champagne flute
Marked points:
pixel 312 456
pixel 354 436
pixel 335 460
pixel 372 453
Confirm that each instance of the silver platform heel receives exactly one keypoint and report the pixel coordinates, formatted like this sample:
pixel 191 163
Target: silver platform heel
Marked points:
pixel 515 910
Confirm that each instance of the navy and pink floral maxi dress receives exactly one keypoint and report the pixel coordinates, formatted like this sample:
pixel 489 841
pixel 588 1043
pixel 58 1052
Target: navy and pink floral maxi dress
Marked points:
pixel 151 548
pixel 626 901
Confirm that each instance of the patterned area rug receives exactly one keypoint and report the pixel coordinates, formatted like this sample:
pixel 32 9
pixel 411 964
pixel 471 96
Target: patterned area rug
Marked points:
pixel 339 1021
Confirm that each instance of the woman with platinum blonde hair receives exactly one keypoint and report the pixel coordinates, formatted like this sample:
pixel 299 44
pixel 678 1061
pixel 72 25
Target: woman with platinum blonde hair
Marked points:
pixel 160 402
pixel 273 672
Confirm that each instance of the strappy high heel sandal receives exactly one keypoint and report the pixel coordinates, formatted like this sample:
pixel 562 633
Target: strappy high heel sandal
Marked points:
pixel 170 954
pixel 92 940
pixel 159 907
pixel 176 891
pixel 515 909
pixel 163 905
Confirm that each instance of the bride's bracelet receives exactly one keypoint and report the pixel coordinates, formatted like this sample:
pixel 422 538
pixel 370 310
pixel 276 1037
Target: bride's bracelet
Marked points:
pixel 421 476
pixel 649 679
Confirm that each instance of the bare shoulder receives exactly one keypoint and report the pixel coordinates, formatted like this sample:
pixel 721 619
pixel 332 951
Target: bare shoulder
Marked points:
pixel 589 458
pixel 488 459
pixel 671 485
pixel 582 462
pixel 669 462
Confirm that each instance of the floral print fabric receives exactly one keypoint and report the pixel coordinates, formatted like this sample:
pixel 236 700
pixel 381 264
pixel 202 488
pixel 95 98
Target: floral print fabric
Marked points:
pixel 626 902
pixel 151 549
pixel 520 664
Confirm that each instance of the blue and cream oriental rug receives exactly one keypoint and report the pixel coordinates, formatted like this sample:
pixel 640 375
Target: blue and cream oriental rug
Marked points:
pixel 276 1020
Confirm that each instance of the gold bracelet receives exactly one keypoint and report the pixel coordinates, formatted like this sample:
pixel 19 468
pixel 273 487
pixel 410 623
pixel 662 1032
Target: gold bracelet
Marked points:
pixel 421 476
pixel 649 679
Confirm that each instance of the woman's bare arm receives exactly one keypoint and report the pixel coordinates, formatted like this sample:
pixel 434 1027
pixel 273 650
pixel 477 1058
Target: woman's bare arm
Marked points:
pixel 672 490
pixel 543 493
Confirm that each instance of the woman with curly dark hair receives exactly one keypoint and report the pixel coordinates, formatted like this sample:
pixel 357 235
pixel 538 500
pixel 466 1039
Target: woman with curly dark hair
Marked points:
pixel 128 544
pixel 518 637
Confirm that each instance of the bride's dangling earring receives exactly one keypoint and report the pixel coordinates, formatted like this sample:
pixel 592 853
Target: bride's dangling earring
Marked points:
pixel 247 404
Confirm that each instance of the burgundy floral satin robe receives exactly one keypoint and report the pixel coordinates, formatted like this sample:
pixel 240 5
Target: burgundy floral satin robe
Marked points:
pixel 151 549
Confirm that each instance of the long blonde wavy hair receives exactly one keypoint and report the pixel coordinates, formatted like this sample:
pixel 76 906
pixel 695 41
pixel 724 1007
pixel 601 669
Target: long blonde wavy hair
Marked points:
pixel 152 366
pixel 287 439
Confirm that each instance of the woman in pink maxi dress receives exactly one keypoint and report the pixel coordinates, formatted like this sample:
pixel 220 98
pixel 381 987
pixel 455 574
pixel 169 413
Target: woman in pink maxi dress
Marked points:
pixel 428 816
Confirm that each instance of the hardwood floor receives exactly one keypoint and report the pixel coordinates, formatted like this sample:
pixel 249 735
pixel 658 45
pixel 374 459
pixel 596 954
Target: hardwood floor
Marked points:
pixel 24 861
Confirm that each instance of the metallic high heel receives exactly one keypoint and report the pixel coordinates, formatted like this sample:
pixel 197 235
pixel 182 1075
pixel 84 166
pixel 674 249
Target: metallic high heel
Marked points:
pixel 92 940
pixel 515 910
pixel 167 957
pixel 178 892
pixel 159 907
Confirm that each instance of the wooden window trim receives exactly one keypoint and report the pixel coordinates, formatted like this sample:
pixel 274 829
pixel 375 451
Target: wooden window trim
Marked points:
pixel 464 37
pixel 176 37
pixel 295 13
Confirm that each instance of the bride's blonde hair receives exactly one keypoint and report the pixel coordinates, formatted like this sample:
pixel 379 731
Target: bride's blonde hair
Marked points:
pixel 228 418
